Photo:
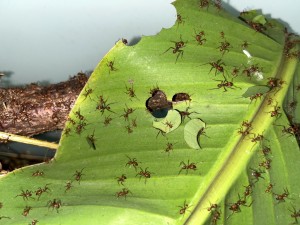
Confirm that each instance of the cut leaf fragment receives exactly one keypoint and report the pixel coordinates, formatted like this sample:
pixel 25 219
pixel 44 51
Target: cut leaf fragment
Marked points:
pixel 251 91
pixel 260 19
pixel 192 131
pixel 169 123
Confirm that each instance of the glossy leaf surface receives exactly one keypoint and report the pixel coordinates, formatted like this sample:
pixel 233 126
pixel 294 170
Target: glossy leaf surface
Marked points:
pixel 122 172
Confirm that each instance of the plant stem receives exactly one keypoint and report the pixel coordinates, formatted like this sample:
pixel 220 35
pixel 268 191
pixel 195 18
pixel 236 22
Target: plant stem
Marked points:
pixel 27 140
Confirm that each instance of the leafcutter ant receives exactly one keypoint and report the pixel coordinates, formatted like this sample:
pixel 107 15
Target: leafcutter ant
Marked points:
pixel 144 173
pixel 179 20
pixel 91 140
pixel 266 164
pixel 183 208
pixel 130 91
pixel 168 124
pixel 26 210
pixel 68 186
pixel 224 47
pixel 33 222
pixel 204 3
pixel 269 101
pixel 293 129
pixel 80 127
pixel 78 115
pixel 235 207
pixel 257 138
pixel 244 132
pixel 78 175
pixel 257 174
pixel 154 90
pixel 281 197
pixel 275 83
pixel 212 207
pixel 121 179
pixel 243 202
pixel 269 188
pixel 26 194
pixel 87 92
pixel 201 132
pixel 225 84
pixel 160 132
pixel 245 45
pixel 169 148
pixel 235 71
pixel 295 214
pixel 275 112
pixel 38 173
pixel 222 34
pixel 251 71
pixel 187 166
pixel 127 112
pixel 55 203
pixel 123 193
pixel 178 48
pixel 248 190
pixel 258 27
pixel 218 66
pixel 255 97
pixel 292 105
pixel 40 191
pixel 132 162
pixel 216 214
pixel 247 124
pixel 110 65
pixel 107 120
pixel 67 131
pixel 102 105
pixel 185 114
pixel 71 120
pixel 129 129
pixel 133 122
pixel 199 37
pixel 266 150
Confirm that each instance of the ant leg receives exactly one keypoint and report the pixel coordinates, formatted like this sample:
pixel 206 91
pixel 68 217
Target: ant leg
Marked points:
pixel 168 50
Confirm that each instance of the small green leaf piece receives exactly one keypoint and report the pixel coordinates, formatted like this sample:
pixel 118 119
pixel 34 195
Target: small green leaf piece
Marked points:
pixel 169 123
pixel 255 90
pixel 191 132
pixel 260 19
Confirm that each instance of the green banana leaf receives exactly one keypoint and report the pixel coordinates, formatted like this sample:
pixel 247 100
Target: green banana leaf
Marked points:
pixel 195 125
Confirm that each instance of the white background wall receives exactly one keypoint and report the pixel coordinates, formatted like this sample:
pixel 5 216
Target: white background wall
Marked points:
pixel 49 40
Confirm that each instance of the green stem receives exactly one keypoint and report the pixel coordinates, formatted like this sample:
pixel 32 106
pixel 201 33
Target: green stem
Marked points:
pixel 228 170
pixel 27 140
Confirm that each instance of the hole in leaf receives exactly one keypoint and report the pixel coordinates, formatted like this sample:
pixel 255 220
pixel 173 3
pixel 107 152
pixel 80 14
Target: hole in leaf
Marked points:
pixel 180 97
pixel 134 40
pixel 158 105
pixel 192 130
